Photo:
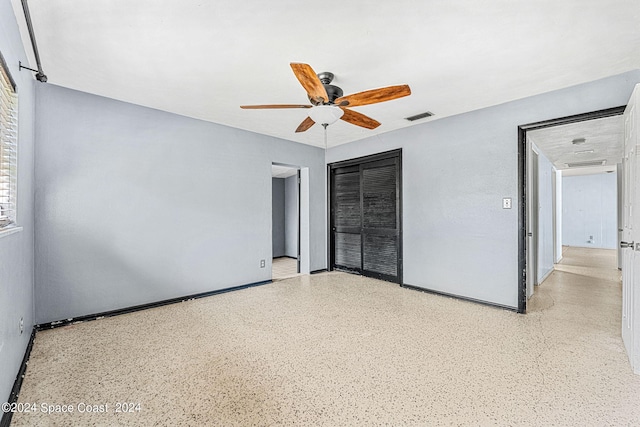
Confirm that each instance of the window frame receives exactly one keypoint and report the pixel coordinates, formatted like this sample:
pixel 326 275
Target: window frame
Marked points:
pixel 8 149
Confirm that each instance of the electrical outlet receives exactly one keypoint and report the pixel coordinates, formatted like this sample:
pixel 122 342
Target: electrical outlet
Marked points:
pixel 506 203
pixel 21 325
pixel 262 263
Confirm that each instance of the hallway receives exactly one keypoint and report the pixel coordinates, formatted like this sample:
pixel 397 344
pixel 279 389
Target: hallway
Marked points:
pixel 339 349
pixel 578 310
pixel 586 284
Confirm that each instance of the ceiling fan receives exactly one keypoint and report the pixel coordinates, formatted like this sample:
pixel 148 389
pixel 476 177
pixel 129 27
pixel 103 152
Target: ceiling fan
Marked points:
pixel 328 101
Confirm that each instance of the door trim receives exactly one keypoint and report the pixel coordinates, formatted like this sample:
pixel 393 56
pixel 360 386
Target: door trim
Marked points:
pixel 358 161
pixel 522 185
pixel 298 198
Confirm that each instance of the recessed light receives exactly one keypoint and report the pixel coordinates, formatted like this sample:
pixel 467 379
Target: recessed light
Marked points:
pixel 578 141
pixel 583 152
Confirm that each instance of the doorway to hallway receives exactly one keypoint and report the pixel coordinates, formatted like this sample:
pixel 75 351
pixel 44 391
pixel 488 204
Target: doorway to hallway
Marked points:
pixel 286 221
pixel 624 157
pixel 566 151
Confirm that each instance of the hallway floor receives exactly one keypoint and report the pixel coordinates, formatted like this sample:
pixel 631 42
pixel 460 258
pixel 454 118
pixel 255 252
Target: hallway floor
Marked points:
pixel 338 349
pixel 283 268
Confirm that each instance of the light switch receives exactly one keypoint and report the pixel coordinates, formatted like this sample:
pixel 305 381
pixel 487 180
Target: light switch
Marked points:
pixel 506 203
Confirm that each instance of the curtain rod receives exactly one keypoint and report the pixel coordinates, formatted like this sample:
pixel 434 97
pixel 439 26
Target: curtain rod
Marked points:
pixel 40 76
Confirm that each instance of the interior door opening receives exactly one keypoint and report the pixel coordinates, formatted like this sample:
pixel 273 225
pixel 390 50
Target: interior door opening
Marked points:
pixel 540 198
pixel 286 221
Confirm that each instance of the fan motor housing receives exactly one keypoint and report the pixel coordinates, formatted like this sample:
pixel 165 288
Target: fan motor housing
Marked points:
pixel 334 92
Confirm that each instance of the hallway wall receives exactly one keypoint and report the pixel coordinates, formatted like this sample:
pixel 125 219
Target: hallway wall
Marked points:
pixel 590 208
pixel 558 210
pixel 456 170
pixel 291 216
pixel 545 217
pixel 277 216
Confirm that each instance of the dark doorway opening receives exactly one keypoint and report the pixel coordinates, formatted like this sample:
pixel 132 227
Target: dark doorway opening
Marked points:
pixel 522 186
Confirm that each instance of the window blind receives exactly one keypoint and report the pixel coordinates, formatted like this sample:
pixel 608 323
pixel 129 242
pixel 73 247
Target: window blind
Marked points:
pixel 8 147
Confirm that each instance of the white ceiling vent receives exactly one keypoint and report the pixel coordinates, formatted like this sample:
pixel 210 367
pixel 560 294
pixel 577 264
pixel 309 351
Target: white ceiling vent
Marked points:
pixel 586 164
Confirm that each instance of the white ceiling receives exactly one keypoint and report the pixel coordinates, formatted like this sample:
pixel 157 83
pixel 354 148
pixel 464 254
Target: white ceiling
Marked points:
pixel 589 171
pixel 604 140
pixel 279 171
pixel 204 59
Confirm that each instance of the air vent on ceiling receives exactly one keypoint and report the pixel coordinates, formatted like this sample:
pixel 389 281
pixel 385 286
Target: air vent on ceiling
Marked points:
pixel 419 116
pixel 585 164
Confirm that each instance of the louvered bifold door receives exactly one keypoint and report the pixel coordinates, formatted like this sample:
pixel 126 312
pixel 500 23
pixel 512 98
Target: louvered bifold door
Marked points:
pixel 366 217
pixel 381 219
pixel 346 219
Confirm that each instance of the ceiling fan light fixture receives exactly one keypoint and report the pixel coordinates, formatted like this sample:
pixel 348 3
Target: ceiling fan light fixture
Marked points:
pixel 325 114
pixel 328 100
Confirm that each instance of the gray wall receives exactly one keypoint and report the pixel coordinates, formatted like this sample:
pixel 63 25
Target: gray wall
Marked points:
pixel 16 250
pixel 545 217
pixel 456 170
pixel 291 216
pixel 558 210
pixel 590 208
pixel 285 216
pixel 278 220
pixel 136 205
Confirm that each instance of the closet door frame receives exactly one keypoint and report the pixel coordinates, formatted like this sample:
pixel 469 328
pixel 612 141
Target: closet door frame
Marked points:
pixel 393 154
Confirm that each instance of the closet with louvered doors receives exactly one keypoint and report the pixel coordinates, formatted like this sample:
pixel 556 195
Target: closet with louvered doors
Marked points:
pixel 366 216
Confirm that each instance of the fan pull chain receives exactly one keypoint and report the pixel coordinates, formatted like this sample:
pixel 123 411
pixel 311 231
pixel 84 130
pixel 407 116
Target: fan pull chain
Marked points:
pixel 325 135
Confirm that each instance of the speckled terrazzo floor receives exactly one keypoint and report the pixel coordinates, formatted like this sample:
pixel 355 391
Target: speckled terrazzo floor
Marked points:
pixel 337 349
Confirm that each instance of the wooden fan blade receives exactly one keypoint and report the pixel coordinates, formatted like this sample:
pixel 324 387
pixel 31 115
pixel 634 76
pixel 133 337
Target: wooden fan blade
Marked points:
pixel 359 119
pixel 374 96
pixel 306 124
pixel 310 82
pixel 265 107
